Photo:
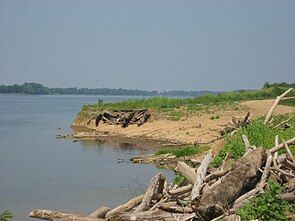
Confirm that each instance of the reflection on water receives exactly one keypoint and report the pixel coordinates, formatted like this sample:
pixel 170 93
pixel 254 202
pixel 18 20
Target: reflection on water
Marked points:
pixel 39 171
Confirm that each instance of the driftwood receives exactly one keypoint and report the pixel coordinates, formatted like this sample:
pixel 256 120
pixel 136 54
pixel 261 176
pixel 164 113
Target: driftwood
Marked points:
pixel 56 215
pixel 146 201
pixel 282 145
pixel 235 124
pixel 121 117
pixel 275 104
pixel 245 174
pixel 246 142
pixel 125 207
pixel 100 212
pixel 201 173
pixel 186 171
pixel 205 194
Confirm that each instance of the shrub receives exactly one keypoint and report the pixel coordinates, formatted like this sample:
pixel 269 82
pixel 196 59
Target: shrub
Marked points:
pixel 267 207
pixel 5 216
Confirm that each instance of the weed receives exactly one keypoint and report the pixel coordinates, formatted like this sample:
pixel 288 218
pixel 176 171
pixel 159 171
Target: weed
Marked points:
pixel 184 151
pixel 5 216
pixel 266 207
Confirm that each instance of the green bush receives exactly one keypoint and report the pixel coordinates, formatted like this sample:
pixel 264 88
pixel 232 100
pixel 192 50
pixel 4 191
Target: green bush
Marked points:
pixel 268 206
pixel 5 216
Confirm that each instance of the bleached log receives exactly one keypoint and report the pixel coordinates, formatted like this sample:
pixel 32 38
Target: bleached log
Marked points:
pixel 175 208
pixel 146 201
pixel 124 208
pixel 275 158
pixel 186 171
pixel 279 98
pixel 266 170
pixel 246 142
pixel 57 215
pixel 281 146
pixel 215 174
pixel 156 216
pixel 289 152
pixel 100 212
pixel 201 173
pixel 181 190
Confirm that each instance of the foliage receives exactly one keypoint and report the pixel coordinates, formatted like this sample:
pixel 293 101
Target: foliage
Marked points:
pixel 266 207
pixel 5 216
pixel 282 84
pixel 258 134
pixel 288 102
pixel 178 179
pixel 184 151
pixel 176 105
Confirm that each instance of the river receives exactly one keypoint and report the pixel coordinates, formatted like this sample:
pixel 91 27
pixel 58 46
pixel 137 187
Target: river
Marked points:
pixel 39 171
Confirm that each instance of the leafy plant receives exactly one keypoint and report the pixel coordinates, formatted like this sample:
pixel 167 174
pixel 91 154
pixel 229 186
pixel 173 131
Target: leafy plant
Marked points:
pixel 5 216
pixel 178 179
pixel 266 207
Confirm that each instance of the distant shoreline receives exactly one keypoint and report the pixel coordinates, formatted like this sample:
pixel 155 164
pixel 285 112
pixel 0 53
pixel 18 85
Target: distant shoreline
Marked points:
pixel 38 89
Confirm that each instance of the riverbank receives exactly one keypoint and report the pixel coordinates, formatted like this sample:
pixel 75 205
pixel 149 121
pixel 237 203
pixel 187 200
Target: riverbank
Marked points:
pixel 203 127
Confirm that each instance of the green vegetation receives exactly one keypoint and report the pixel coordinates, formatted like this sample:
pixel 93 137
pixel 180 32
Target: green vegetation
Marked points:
pixel 178 179
pixel 187 105
pixel 268 206
pixel 288 102
pixel 259 135
pixel 5 216
pixel 184 151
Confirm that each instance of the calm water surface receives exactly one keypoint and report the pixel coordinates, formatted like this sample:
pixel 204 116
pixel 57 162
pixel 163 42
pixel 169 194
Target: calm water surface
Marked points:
pixel 39 171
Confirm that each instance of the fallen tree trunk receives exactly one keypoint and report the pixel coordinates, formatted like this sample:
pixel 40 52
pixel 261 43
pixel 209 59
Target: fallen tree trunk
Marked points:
pixel 56 215
pixel 243 177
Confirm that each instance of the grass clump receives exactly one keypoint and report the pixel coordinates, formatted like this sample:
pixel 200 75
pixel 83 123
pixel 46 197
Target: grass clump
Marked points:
pixel 268 206
pixel 183 151
pixel 288 102
pixel 5 216
pixel 178 179
pixel 259 135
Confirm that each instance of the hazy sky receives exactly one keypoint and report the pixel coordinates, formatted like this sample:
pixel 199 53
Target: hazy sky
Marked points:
pixel 151 44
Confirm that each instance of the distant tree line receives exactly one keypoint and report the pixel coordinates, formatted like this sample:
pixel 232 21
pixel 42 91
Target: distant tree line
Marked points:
pixel 36 88
pixel 282 84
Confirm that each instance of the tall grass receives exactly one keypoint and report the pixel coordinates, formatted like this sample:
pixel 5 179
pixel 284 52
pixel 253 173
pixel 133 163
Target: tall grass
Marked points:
pixel 169 104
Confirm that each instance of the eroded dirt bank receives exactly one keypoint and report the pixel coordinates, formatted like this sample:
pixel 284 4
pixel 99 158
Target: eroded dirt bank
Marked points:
pixel 202 128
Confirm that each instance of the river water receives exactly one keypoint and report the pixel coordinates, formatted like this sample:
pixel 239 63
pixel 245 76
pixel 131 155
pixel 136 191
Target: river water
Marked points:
pixel 39 171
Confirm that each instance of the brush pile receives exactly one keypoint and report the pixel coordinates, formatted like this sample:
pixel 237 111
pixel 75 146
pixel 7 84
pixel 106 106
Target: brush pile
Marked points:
pixel 205 195
pixel 122 117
